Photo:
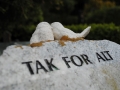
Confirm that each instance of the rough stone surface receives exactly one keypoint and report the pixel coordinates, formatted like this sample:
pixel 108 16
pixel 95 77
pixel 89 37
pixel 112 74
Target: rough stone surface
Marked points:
pixel 94 65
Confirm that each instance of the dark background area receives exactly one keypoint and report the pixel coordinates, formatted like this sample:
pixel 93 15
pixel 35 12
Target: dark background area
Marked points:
pixel 18 18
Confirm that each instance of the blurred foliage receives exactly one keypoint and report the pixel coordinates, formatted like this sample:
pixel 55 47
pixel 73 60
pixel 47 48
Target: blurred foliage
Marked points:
pixel 106 15
pixel 16 17
pixel 59 10
pixel 20 17
pixel 93 5
pixel 99 31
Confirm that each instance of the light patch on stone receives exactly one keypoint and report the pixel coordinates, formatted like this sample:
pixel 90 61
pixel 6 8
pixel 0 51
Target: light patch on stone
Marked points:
pixel 110 80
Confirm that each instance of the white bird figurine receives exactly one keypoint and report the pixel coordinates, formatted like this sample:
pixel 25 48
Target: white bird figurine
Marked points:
pixel 59 31
pixel 43 32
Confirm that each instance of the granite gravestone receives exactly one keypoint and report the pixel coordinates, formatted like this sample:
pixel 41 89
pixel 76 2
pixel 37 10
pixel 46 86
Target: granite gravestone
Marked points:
pixel 80 65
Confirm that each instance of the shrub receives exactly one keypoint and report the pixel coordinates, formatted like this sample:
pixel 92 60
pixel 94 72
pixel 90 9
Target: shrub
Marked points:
pixel 105 15
pixel 99 31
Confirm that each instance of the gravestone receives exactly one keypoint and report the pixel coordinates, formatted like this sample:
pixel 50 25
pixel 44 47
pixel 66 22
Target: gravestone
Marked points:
pixel 80 65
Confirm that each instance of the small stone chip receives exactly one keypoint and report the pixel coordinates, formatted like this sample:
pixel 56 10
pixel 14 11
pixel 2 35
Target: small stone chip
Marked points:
pixel 19 46
pixel 39 43
pixel 66 38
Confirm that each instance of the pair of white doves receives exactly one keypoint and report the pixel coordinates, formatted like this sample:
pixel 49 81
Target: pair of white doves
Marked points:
pixel 44 32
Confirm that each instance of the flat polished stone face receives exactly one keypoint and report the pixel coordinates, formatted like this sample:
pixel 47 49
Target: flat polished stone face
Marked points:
pixel 80 65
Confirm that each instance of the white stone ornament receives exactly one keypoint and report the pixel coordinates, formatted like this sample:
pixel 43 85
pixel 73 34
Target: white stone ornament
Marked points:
pixel 56 31
pixel 80 65
pixel 43 32
pixel 59 31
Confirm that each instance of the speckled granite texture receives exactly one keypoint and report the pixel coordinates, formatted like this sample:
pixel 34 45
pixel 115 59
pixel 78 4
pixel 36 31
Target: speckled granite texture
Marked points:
pixel 80 65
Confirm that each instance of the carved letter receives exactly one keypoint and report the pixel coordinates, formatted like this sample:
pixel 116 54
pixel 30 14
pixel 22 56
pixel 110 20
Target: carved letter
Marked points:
pixel 100 57
pixel 29 66
pixel 81 62
pixel 66 62
pixel 50 65
pixel 38 64
pixel 85 58
pixel 108 55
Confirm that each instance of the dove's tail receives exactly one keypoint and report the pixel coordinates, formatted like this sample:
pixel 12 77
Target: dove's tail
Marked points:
pixel 85 32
